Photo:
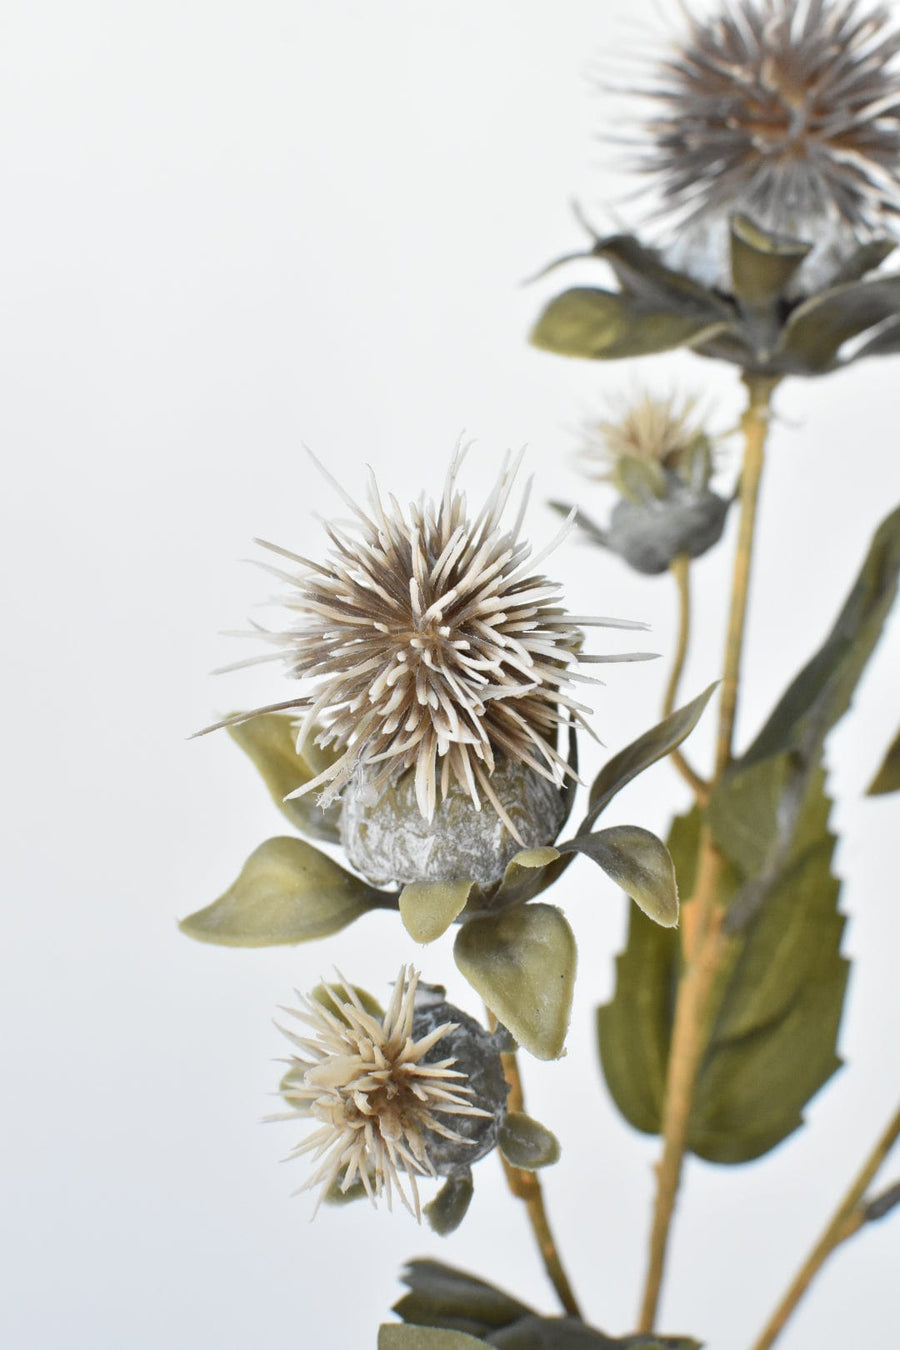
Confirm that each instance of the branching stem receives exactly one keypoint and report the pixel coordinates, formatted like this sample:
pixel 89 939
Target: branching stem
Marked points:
pixel 705 947
pixel 847 1219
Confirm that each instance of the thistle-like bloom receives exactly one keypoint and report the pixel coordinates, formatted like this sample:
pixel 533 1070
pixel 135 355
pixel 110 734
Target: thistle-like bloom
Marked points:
pixel 786 111
pixel 655 431
pixel 435 648
pixel 391 1105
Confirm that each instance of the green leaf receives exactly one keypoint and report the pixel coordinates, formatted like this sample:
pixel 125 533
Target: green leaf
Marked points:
pixel 269 740
pixel 634 1028
pixel 527 874
pixel 887 779
pixel 287 892
pixel 822 691
pixel 773 1042
pixel 604 326
pixel 643 275
pixel 448 1208
pixel 816 330
pixel 762 264
pixel 640 480
pixel 428 908
pixel 552 1333
pixel 654 745
pixel 526 1144
pixel 522 963
pixel 639 863
pixel 440 1296
pixel 776 1012
pixel 394 1336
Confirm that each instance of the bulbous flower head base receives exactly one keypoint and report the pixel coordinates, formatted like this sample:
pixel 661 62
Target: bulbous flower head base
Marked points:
pixel 388 840
pixel 651 533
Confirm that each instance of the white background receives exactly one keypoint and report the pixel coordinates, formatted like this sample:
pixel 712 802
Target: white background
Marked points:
pixel 230 229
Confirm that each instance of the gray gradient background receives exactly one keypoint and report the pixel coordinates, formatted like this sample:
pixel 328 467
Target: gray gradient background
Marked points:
pixel 230 229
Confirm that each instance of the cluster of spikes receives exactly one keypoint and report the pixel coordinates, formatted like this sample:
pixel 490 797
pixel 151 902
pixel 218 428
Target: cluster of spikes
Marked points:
pixel 434 645
pixel 374 1092
pixel 653 430
pixel 788 110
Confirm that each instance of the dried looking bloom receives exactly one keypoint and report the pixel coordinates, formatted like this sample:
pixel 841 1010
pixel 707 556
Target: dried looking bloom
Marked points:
pixel 391 1105
pixel 787 111
pixel 435 647
pixel 656 431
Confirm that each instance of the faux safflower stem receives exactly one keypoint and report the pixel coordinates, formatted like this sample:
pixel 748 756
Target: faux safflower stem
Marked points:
pixel 680 568
pixel 755 424
pixel 847 1219
pixel 705 947
pixel 526 1186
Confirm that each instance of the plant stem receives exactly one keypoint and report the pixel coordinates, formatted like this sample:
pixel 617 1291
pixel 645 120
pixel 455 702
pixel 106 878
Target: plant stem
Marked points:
pixel 847 1219
pixel 680 568
pixel 704 945
pixel 527 1187
pixel 755 423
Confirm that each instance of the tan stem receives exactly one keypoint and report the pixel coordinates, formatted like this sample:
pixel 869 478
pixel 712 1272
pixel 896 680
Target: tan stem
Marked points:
pixel 705 947
pixel 680 568
pixel 847 1219
pixel 527 1187
pixel 755 423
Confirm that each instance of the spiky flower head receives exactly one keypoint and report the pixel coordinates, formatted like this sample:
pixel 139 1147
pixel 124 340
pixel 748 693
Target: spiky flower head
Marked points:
pixel 654 431
pixel 391 1105
pixel 434 647
pixel 786 111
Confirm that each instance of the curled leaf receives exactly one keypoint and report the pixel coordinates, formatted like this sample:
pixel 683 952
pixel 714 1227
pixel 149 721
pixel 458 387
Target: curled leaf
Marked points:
pixel 638 862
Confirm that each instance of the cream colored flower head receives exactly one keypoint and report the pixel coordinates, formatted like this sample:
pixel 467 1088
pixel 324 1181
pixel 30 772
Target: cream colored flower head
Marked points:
pixel 786 111
pixel 380 1095
pixel 657 431
pixel 430 643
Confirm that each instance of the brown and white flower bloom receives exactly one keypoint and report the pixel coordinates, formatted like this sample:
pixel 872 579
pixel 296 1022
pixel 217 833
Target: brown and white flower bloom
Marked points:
pixel 433 647
pixel 391 1105
pixel 788 112
pixel 655 431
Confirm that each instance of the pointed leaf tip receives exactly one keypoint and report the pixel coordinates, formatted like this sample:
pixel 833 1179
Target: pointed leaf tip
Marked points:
pixel 287 892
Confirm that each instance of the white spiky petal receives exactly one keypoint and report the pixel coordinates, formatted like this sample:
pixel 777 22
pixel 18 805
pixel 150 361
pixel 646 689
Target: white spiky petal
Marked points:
pixel 434 646
pixel 366 1080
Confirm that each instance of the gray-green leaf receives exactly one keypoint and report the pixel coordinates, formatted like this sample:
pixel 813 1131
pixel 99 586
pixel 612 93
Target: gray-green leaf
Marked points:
pixel 638 862
pixel 287 892
pixel 269 740
pixel 394 1336
pixel 654 745
pixel 522 962
pixel 887 779
pixel 602 325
